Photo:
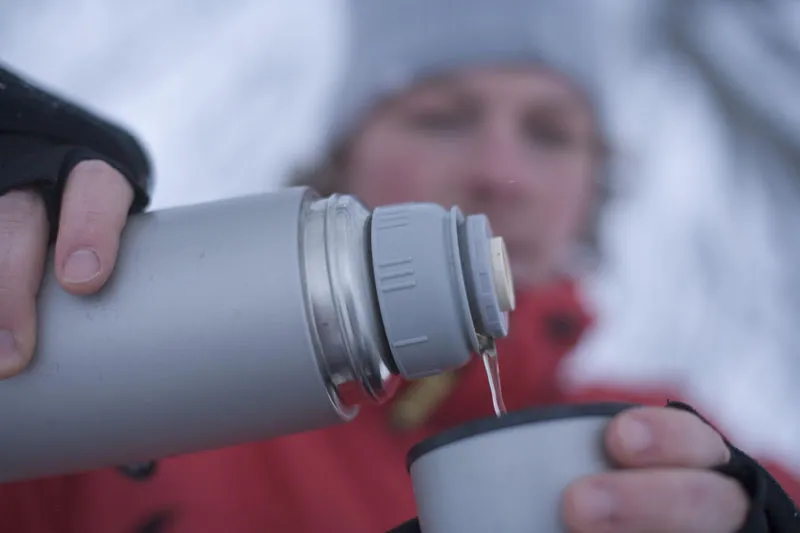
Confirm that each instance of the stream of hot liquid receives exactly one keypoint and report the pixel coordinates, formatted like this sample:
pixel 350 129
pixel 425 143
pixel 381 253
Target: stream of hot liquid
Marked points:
pixel 489 355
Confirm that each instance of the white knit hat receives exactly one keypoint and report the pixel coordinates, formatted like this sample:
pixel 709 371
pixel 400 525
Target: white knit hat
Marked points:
pixel 393 44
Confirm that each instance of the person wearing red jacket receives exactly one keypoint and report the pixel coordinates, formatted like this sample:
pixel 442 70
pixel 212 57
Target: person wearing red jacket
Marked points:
pixel 493 107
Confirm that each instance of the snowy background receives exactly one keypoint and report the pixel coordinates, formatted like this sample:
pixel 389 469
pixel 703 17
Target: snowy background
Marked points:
pixel 699 288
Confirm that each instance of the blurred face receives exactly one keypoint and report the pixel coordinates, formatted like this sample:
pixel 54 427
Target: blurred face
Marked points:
pixel 516 145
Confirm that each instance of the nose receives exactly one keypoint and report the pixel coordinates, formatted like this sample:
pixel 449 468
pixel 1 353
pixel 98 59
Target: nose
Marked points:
pixel 497 164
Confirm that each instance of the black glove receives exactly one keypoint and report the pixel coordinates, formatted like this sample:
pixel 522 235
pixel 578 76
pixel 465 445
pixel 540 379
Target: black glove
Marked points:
pixel 43 137
pixel 771 509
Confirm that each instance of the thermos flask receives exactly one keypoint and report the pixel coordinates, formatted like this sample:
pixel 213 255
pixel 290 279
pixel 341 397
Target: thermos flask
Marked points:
pixel 247 319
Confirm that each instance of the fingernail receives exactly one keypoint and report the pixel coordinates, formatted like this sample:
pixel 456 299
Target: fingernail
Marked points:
pixel 81 266
pixel 634 435
pixel 594 503
pixel 9 355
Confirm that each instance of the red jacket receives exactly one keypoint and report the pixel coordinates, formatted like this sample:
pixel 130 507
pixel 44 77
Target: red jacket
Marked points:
pixel 350 478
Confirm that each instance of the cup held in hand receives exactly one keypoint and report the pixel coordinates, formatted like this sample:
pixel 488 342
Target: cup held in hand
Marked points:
pixel 508 473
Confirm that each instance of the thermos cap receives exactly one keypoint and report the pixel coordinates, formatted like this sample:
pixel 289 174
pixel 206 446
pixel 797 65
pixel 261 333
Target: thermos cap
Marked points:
pixel 442 281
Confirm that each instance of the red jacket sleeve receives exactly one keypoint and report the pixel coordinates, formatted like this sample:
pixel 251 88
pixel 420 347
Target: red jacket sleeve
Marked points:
pixel 41 506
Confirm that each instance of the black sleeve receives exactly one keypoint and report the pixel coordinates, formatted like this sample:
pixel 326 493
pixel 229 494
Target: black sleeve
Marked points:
pixel 771 509
pixel 43 137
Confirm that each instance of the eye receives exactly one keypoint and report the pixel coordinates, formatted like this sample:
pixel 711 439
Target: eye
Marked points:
pixel 548 134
